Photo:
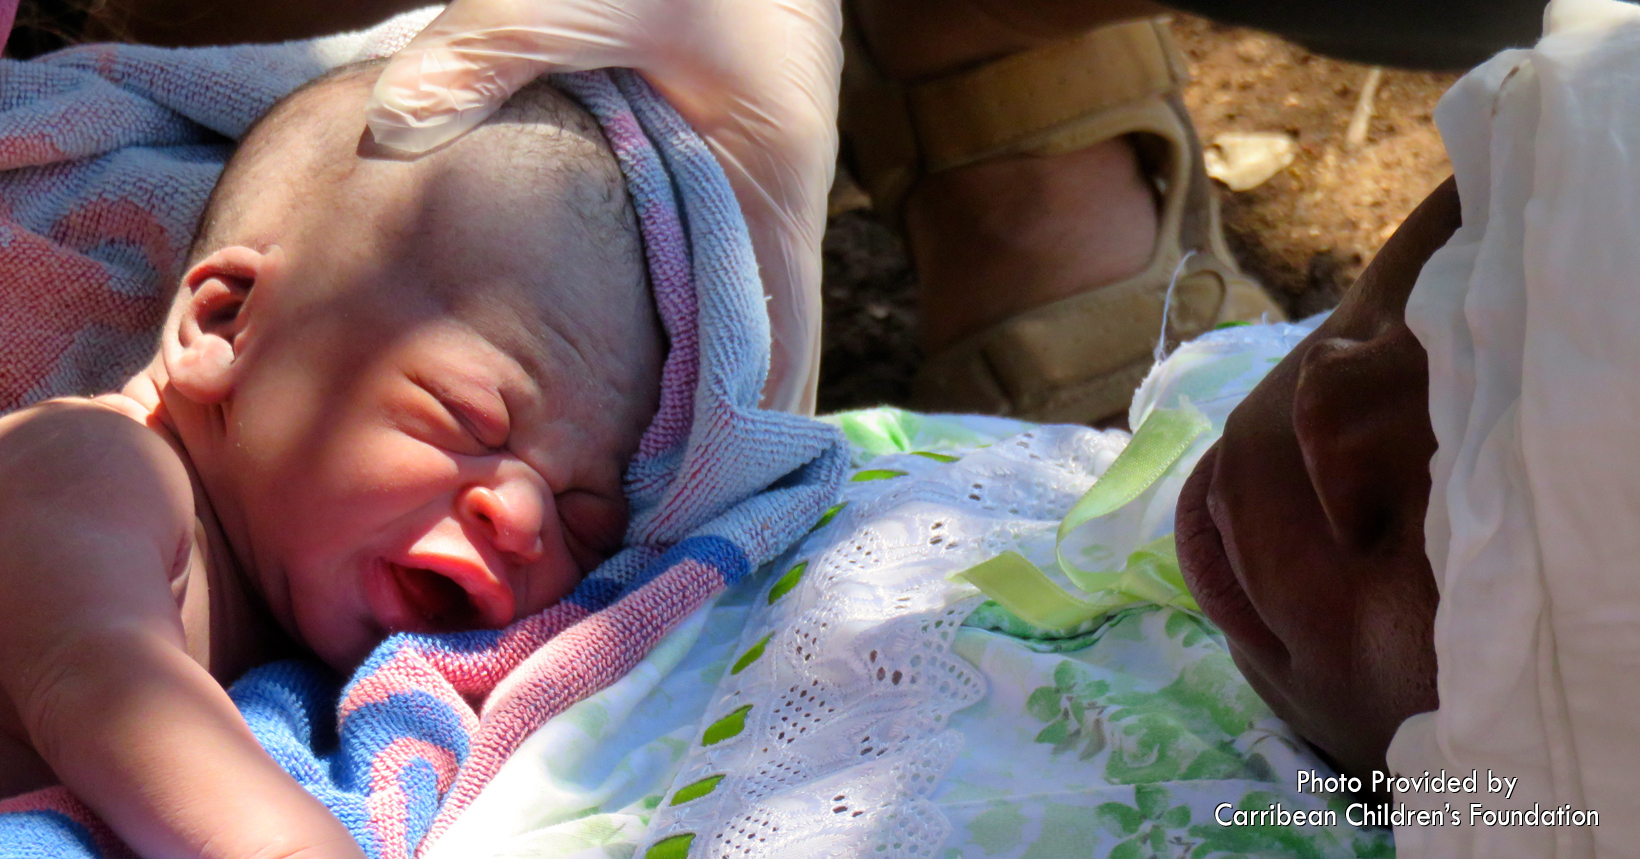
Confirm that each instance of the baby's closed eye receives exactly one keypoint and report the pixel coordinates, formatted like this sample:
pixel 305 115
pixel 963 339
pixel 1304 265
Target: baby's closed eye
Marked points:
pixel 463 422
pixel 485 424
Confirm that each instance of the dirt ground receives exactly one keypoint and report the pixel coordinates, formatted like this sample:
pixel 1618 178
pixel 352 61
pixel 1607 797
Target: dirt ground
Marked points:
pixel 1305 233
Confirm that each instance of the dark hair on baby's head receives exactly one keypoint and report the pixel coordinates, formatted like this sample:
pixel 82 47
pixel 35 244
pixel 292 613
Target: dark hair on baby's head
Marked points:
pixel 308 136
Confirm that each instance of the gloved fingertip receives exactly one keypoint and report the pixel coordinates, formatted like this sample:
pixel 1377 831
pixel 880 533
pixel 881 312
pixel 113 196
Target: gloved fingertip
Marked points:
pixel 429 95
pixel 417 115
pixel 398 130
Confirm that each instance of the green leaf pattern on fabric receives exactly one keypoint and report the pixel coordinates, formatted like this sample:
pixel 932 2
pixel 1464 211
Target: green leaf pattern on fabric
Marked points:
pixel 1141 732
pixel 876 474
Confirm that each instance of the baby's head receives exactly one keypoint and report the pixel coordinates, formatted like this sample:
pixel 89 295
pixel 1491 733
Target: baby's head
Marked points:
pixel 410 388
pixel 1301 532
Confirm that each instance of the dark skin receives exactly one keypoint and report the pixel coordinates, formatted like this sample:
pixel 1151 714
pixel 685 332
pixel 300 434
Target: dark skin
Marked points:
pixel 1301 532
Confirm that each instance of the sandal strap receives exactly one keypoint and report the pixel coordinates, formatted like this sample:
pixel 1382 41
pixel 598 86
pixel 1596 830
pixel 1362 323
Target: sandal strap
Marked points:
pixel 1055 98
pixel 1080 358
pixel 1009 105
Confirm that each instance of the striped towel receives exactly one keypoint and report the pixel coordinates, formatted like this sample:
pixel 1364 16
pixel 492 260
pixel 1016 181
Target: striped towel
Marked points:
pixel 718 486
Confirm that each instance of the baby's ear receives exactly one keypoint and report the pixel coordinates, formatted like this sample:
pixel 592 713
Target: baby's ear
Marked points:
pixel 202 340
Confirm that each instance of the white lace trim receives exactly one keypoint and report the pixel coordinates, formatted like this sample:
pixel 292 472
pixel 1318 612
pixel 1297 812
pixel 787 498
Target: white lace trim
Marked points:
pixel 846 732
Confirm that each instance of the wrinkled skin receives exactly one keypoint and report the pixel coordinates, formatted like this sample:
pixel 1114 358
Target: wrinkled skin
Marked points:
pixel 1301 531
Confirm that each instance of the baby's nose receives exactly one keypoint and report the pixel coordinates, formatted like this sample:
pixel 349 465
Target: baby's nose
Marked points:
pixel 510 513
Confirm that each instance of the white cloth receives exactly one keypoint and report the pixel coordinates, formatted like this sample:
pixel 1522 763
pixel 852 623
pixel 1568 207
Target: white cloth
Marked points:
pixel 1531 318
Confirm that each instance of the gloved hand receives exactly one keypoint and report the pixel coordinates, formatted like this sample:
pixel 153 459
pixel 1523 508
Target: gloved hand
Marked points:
pixel 756 78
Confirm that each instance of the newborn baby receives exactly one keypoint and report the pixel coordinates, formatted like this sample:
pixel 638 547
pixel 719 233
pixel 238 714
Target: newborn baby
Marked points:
pixel 390 395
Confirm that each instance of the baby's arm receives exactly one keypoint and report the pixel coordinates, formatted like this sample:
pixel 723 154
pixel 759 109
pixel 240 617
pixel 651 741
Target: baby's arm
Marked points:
pixel 94 512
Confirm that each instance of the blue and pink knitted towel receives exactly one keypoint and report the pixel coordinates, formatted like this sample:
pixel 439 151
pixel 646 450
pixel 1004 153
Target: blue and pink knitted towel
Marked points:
pixel 109 152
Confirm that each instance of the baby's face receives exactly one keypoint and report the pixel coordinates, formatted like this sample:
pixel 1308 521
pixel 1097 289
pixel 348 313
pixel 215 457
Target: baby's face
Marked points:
pixel 1301 532
pixel 438 442
pixel 410 388
pixel 426 474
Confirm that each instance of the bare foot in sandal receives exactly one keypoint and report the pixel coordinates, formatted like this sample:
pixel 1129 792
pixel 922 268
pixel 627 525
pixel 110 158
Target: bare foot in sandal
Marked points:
pixel 1052 193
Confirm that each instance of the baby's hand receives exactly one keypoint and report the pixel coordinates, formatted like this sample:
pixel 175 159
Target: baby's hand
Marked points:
pixel 92 660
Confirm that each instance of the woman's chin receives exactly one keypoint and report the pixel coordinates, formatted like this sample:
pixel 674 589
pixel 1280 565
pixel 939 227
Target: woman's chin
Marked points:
pixel 1208 571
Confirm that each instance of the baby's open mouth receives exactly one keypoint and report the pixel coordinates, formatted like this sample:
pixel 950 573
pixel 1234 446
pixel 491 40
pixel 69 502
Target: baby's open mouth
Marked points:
pixel 434 598
pixel 429 602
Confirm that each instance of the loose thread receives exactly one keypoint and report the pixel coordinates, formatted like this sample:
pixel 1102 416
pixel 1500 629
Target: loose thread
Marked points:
pixel 1167 307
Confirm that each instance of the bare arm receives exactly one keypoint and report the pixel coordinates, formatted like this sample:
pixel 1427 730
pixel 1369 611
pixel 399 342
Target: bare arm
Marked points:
pixel 92 515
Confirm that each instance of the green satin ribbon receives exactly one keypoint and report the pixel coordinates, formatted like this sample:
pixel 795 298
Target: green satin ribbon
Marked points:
pixel 1022 588
pixel 1151 573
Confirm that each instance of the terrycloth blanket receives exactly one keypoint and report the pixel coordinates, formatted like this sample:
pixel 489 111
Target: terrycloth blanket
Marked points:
pixel 107 153
pixel 123 157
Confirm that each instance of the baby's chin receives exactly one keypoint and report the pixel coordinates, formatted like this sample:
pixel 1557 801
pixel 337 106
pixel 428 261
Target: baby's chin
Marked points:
pixel 339 638
pixel 344 650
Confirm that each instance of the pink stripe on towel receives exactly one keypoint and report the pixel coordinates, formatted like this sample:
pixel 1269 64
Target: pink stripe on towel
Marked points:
pixel 8 17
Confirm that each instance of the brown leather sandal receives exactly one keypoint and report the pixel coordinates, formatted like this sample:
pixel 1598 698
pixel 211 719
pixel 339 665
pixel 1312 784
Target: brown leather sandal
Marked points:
pixel 1080 358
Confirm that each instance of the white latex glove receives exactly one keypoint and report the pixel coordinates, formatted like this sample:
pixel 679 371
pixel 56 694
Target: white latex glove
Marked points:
pixel 756 78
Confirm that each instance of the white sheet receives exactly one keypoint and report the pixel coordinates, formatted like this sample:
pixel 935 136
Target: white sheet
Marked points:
pixel 1531 318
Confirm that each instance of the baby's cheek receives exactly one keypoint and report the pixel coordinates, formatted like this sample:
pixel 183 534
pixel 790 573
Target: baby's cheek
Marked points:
pixel 594 526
